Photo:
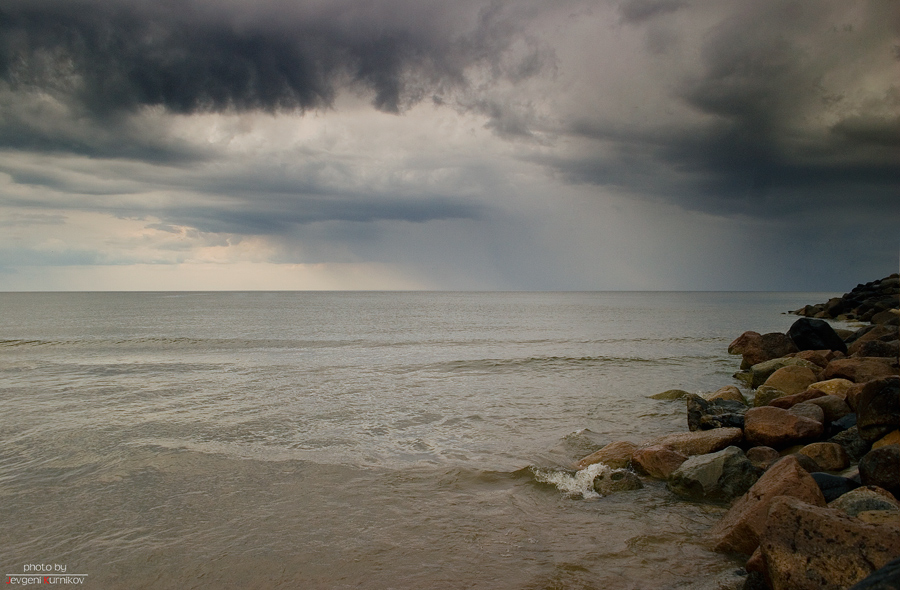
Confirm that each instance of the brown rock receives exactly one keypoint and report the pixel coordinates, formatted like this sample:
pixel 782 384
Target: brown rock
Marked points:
pixel 878 408
pixel 891 438
pixel 792 380
pixel 864 499
pixel 835 408
pixel 729 392
pixel 853 394
pixel 757 348
pixel 616 454
pixel 700 442
pixel 765 395
pixel 657 461
pixel 875 348
pixel 788 401
pixel 809 410
pixel 757 374
pixel 881 467
pixel 774 427
pixel 813 548
pixel 888 517
pixel 859 370
pixel 837 387
pixel 817 357
pixel 828 456
pixel 762 457
pixel 739 529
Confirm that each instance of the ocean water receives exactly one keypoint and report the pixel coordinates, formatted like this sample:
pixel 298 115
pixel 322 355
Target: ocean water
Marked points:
pixel 355 440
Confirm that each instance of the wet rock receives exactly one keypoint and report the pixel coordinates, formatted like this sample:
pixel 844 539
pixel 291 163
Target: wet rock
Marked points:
pixel 881 467
pixel 758 373
pixel 828 456
pixel 835 408
pixel 878 408
pixel 702 441
pixel 670 394
pixel 756 348
pixel 762 457
pixel 855 446
pixel 616 454
pixel 809 547
pixel 884 578
pixel 809 410
pixel 778 428
pixel 788 401
pixel 792 380
pixel 657 461
pixel 739 529
pixel 616 480
pixel 837 387
pixel 863 499
pixel 765 395
pixel 834 486
pixel 891 438
pixel 860 369
pixel 717 477
pixel 719 413
pixel 728 392
pixel 812 334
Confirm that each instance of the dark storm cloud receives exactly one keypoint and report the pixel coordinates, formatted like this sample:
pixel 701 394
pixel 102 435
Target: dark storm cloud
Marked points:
pixel 798 107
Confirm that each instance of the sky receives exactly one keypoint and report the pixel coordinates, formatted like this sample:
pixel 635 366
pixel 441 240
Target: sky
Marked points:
pixel 434 145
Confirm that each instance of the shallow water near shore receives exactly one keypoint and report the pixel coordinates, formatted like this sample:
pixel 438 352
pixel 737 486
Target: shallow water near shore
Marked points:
pixel 355 440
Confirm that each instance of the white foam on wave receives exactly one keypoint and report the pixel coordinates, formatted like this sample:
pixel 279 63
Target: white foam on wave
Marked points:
pixel 580 484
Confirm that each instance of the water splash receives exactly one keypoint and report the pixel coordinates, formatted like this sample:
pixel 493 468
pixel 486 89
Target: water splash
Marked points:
pixel 579 484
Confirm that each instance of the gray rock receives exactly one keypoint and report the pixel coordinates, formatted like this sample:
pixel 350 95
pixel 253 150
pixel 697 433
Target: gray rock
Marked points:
pixel 717 477
pixel 617 480
pixel 864 499
pixel 719 413
pixel 878 408
pixel 809 410
pixel 834 486
pixel 855 446
pixel 881 467
pixel 670 394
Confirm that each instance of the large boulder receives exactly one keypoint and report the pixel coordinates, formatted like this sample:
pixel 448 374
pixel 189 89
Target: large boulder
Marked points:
pixel 765 395
pixel 834 407
pixel 670 394
pixel 881 467
pixel 762 457
pixel 616 480
pixel 854 444
pixel 876 348
pixel 884 578
pixel 860 369
pixel 787 401
pixel 891 438
pixel 878 408
pixel 792 379
pixel 657 461
pixel 728 392
pixel 837 387
pixel 757 374
pixel 833 486
pixel 756 348
pixel 809 547
pixel 864 499
pixel 718 477
pixel 739 529
pixel 616 454
pixel 812 334
pixel 828 456
pixel 719 413
pixel 778 428
pixel 808 410
pixel 700 442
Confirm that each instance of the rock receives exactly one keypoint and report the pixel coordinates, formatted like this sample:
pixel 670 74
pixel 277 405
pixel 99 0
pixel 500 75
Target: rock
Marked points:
pixel 757 348
pixel 878 408
pixel 616 454
pixel 881 467
pixel 670 394
pixel 777 428
pixel 616 480
pixel 792 380
pixel 809 410
pixel 859 370
pixel 762 457
pixel 891 438
pixel 891 517
pixel 876 348
pixel 729 393
pixel 739 529
pixel 863 499
pixel 837 387
pixel 720 413
pixel 855 446
pixel 702 441
pixel 820 358
pixel 842 424
pixel 834 486
pixel 657 461
pixel 717 477
pixel 765 395
pixel 811 334
pixel 757 374
pixel 788 401
pixel 884 317
pixel 885 578
pixel 806 462
pixel 828 456
pixel 835 408
pixel 880 332
pixel 814 548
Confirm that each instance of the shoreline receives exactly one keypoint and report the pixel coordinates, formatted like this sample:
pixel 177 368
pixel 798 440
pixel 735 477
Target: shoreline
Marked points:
pixel 807 466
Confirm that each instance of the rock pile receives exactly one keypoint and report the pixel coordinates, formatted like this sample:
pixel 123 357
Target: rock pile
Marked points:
pixel 809 464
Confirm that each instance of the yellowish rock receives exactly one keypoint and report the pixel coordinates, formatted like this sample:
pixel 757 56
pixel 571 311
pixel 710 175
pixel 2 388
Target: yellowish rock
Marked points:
pixel 729 392
pixel 891 438
pixel 837 387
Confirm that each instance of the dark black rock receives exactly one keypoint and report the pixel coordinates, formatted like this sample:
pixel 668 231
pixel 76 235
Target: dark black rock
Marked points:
pixel 885 578
pixel 812 334
pixel 854 444
pixel 845 423
pixel 878 408
pixel 833 486
pixel 881 467
pixel 719 413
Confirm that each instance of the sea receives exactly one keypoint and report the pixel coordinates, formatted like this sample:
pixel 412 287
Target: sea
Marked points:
pixel 374 440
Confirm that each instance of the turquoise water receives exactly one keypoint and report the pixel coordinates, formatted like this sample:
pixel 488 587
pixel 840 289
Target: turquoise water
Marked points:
pixel 354 440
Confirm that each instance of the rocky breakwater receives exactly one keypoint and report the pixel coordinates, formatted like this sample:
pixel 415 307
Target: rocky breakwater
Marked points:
pixel 806 458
